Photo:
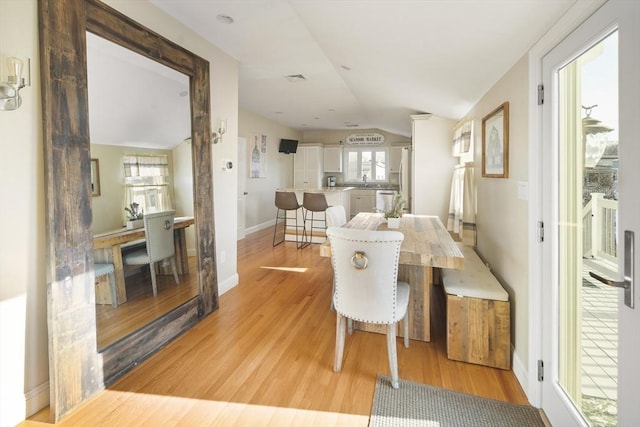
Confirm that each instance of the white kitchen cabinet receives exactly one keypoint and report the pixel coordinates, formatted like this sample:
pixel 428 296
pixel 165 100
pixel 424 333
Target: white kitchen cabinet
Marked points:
pixel 307 167
pixel 333 159
pixel 362 201
pixel 395 156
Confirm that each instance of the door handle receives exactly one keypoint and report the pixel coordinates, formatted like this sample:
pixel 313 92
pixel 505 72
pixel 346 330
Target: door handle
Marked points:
pixel 627 284
pixel 245 193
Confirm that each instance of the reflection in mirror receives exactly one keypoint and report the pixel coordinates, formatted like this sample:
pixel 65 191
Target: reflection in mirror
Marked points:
pixel 139 118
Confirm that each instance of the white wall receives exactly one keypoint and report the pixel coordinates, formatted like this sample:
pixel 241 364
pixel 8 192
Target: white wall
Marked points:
pixel 260 207
pixel 502 219
pixel 432 164
pixel 23 327
pixel 23 310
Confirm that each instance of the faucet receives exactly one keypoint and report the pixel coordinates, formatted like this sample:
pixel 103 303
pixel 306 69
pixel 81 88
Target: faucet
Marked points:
pixel 364 178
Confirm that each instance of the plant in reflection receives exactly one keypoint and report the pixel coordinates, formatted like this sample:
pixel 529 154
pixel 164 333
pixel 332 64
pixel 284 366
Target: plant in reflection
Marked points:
pixel 397 207
pixel 134 211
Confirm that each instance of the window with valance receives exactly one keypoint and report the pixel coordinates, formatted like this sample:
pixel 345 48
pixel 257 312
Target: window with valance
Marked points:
pixel 146 182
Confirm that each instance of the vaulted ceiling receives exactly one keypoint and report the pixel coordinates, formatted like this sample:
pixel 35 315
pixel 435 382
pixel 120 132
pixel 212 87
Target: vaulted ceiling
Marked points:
pixel 360 64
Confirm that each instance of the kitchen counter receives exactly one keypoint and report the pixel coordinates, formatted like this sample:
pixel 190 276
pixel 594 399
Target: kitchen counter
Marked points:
pixel 317 190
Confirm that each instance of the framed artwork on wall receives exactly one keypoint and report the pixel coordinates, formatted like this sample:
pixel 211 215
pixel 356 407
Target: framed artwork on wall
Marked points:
pixel 495 143
pixel 258 156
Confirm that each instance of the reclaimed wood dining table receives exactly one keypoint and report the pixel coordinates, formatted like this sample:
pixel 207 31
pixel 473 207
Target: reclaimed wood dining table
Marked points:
pixel 427 245
pixel 107 248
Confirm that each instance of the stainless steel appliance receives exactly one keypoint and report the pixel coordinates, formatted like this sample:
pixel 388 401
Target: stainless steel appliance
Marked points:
pixel 331 181
pixel 384 199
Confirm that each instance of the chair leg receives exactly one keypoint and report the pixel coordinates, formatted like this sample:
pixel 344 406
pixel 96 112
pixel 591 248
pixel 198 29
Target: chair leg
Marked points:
pixel 305 240
pixel 393 357
pixel 405 321
pixel 152 270
pixel 112 287
pixel 340 324
pixel 174 270
pixel 275 227
pixel 350 326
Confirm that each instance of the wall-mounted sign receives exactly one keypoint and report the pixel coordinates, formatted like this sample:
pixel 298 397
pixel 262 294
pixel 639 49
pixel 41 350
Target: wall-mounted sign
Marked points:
pixel 368 138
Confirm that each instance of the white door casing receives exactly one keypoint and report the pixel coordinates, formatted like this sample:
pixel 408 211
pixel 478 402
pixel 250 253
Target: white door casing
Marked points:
pixel 242 186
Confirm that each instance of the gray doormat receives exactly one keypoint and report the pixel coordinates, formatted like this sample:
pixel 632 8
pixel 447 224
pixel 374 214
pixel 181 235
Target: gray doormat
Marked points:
pixel 422 405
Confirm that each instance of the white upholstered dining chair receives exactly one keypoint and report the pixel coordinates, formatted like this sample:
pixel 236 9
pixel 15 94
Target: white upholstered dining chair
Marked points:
pixel 365 265
pixel 158 228
pixel 336 216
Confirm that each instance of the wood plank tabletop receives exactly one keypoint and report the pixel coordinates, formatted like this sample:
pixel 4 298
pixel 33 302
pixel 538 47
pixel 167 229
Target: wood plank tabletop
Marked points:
pixel 426 241
pixel 123 235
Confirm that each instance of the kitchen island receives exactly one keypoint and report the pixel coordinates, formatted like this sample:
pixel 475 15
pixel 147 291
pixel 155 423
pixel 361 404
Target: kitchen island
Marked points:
pixel 336 196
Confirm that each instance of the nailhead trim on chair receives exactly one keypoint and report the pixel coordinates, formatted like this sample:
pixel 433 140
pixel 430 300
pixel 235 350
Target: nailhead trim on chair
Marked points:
pixel 395 273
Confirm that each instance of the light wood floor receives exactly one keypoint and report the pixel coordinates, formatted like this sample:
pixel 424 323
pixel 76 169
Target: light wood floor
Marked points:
pixel 142 307
pixel 265 357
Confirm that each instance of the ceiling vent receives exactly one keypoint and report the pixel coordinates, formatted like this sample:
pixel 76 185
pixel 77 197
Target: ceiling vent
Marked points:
pixel 293 78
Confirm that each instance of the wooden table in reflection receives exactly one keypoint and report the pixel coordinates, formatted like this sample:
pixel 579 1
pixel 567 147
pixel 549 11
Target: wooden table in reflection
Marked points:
pixel 427 244
pixel 108 248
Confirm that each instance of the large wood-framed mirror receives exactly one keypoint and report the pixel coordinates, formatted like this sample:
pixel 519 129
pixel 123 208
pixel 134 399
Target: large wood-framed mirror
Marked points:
pixel 77 369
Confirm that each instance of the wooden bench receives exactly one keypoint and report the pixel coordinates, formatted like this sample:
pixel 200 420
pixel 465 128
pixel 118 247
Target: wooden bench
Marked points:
pixel 478 314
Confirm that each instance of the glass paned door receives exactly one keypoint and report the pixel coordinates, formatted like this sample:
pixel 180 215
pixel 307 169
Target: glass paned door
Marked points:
pixel 587 229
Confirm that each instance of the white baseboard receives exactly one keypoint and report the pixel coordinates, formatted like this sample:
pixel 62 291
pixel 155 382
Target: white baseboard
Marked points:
pixel 36 399
pixel 228 284
pixel 521 373
pixel 259 227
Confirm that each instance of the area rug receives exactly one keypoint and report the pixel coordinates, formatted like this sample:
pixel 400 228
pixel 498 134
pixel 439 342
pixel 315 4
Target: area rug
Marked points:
pixel 422 405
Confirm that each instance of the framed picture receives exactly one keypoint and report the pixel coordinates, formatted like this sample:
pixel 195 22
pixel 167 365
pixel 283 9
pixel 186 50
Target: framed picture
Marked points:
pixel 258 156
pixel 95 178
pixel 495 143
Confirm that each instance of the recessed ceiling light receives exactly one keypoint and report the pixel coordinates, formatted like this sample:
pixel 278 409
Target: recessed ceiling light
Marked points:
pixel 225 19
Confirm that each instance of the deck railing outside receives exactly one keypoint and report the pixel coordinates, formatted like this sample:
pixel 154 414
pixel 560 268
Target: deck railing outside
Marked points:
pixel 599 225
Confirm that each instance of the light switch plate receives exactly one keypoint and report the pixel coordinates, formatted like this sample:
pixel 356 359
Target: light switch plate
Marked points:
pixel 523 190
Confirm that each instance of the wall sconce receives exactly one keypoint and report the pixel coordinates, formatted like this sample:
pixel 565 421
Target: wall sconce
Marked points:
pixel 222 129
pixel 10 98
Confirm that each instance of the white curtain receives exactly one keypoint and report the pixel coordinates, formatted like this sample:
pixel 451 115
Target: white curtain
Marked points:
pixel 462 205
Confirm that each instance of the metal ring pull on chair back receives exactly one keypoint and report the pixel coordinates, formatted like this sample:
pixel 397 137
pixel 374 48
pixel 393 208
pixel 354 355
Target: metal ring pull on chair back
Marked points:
pixel 286 201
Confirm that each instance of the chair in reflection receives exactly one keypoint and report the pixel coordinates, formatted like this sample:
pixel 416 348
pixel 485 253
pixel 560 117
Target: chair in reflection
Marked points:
pixel 286 201
pixel 313 203
pixel 365 265
pixel 158 229
pixel 107 269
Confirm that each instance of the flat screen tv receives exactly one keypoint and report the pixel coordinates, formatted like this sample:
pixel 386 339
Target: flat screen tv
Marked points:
pixel 288 146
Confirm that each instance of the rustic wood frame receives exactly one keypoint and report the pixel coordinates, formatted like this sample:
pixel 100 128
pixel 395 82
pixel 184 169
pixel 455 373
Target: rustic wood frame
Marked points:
pixel 76 369
pixel 488 121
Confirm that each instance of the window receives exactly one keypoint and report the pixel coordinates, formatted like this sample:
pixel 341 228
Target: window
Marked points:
pixel 146 182
pixel 366 161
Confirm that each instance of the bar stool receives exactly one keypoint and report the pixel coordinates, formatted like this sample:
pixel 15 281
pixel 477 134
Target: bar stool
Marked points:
pixel 286 201
pixel 313 202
